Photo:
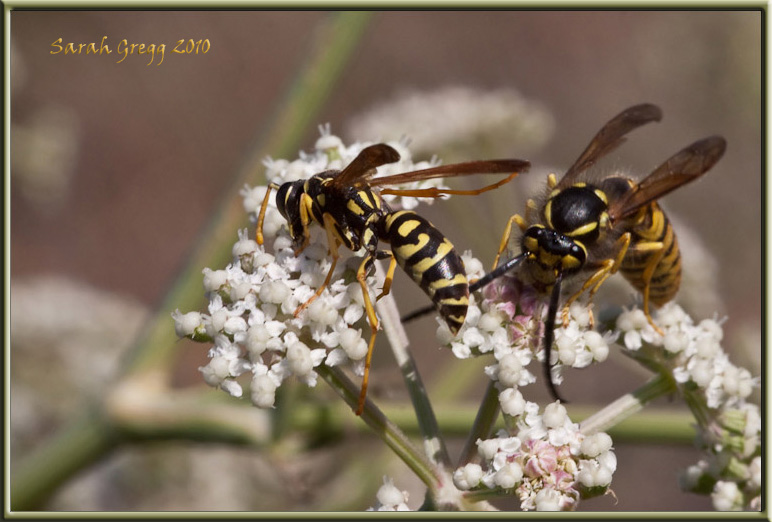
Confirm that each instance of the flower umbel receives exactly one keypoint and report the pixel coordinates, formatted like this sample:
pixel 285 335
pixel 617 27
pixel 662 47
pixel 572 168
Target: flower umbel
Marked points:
pixel 252 302
pixel 544 459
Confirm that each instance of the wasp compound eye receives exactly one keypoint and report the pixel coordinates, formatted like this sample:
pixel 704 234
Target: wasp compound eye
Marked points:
pixel 287 197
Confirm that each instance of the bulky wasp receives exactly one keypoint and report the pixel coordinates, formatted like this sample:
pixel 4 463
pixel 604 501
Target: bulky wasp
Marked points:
pixel 349 206
pixel 584 229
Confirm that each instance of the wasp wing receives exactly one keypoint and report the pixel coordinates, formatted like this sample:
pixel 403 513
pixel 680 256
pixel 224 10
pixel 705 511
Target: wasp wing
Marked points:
pixel 504 166
pixel 610 137
pixel 363 166
pixel 685 166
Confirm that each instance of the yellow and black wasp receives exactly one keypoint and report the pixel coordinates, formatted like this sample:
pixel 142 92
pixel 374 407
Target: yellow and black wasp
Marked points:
pixel 349 206
pixel 586 229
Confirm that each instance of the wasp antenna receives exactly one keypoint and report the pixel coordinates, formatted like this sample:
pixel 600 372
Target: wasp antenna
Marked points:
pixel 549 337
pixel 497 272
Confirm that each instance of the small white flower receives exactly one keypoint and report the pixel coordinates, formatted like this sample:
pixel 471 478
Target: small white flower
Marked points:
pixel 390 498
pixel 468 476
pixel 594 445
pixel 727 496
pixel 512 402
pixel 555 415
pixel 263 391
pixel 187 324
pixel 508 476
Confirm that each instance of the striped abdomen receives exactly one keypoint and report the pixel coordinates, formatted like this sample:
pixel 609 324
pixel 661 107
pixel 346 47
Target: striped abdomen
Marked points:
pixel 654 227
pixel 431 260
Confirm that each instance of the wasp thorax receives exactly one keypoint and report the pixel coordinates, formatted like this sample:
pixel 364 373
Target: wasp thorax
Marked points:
pixel 577 211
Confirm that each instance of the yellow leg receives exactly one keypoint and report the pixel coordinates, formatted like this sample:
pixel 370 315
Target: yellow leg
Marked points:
pixel 609 267
pixel 659 251
pixel 507 234
pixel 261 216
pixel 333 246
pixel 373 320
pixel 388 279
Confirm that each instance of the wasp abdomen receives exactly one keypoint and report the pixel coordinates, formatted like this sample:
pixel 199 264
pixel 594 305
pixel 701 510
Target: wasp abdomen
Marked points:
pixel 432 261
pixel 654 227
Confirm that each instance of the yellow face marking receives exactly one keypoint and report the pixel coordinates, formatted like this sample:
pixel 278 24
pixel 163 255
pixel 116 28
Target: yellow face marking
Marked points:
pixel 548 211
pixel 569 262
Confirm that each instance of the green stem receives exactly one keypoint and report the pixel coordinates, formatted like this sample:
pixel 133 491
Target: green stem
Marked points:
pixel 483 424
pixel 88 438
pixel 627 405
pixel 86 441
pixel 434 443
pixel 382 426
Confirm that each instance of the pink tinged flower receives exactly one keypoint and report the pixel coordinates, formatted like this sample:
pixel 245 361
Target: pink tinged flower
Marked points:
pixel 543 459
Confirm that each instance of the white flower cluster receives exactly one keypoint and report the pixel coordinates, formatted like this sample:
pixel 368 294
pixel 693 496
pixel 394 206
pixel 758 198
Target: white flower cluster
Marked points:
pixel 390 498
pixel 691 351
pixel 509 323
pixel 252 301
pixel 729 428
pixel 548 463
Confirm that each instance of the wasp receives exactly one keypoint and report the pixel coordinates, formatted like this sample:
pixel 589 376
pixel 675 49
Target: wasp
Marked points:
pixel 348 204
pixel 586 228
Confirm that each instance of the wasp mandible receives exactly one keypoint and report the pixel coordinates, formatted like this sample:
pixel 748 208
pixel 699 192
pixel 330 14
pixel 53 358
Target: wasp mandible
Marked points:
pixel 349 206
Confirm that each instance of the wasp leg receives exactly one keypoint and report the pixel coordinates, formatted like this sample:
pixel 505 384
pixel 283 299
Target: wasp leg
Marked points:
pixel 389 277
pixel 658 251
pixel 333 245
pixel 608 267
pixel 507 234
pixel 373 320
pixel 434 192
pixel 261 215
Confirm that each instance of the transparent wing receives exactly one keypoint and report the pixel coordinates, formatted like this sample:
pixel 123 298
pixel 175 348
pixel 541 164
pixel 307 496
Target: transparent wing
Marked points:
pixel 505 166
pixel 683 167
pixel 363 166
pixel 610 137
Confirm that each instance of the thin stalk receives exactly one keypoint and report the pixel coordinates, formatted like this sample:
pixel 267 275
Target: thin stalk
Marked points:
pixel 382 426
pixel 434 443
pixel 627 405
pixel 483 425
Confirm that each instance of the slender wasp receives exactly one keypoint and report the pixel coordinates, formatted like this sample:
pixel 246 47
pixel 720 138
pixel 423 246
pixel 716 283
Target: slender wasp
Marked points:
pixel 349 206
pixel 584 229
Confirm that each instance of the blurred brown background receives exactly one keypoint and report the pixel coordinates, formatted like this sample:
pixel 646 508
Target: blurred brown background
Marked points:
pixel 116 167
